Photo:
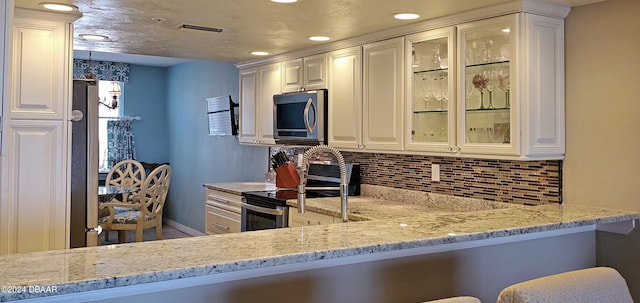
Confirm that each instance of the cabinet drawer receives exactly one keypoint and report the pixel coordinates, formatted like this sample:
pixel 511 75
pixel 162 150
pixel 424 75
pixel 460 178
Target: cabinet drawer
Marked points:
pixel 223 200
pixel 308 218
pixel 220 221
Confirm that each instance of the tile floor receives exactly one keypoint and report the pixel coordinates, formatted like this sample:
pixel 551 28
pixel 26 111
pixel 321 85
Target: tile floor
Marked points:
pixel 168 232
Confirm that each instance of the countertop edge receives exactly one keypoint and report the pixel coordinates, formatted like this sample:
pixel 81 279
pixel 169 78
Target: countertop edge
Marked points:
pixel 255 263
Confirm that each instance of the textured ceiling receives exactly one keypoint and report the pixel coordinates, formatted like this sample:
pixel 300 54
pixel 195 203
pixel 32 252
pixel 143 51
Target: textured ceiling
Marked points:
pixel 152 27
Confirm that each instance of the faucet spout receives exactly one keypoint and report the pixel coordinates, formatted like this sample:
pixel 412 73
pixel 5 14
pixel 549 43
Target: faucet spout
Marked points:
pixel 344 185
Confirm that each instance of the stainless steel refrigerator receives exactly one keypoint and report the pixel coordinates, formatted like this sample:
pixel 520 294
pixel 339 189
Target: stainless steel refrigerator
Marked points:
pixel 84 164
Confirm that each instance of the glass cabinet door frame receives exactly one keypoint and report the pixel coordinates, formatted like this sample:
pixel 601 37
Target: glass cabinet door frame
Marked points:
pixel 448 146
pixel 466 144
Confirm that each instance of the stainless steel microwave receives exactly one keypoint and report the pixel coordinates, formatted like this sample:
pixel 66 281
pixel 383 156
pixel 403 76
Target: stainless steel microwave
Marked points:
pixel 300 118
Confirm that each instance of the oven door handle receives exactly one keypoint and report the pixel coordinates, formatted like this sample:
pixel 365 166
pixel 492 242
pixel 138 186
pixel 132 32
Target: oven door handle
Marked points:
pixel 269 211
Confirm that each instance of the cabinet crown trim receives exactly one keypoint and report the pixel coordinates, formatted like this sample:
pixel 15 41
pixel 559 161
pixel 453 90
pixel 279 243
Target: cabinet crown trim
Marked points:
pixel 518 6
pixel 46 15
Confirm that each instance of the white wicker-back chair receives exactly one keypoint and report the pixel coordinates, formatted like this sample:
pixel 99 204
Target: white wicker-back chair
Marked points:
pixel 127 174
pixel 145 209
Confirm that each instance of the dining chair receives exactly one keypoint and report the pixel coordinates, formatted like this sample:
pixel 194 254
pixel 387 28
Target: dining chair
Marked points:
pixel 145 209
pixel 591 285
pixel 128 174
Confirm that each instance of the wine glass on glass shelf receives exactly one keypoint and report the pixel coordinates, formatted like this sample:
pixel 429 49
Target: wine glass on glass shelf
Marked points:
pixel 487 46
pixel 437 90
pixel 444 87
pixel 425 91
pixel 480 82
pixel 490 86
pixel 504 83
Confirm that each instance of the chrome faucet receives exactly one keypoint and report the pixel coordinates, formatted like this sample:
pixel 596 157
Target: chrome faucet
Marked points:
pixel 344 185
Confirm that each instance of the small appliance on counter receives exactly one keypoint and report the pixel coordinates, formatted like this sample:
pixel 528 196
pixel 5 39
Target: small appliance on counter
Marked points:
pixel 269 209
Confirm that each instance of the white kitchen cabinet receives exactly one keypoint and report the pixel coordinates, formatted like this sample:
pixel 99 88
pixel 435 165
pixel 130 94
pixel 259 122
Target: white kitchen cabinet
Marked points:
pixel 248 106
pixel 366 96
pixel 430 119
pixel 488 57
pixel 222 212
pixel 517 112
pixel 36 208
pixel 269 84
pixel 39 76
pixel 292 76
pixel 6 11
pixel 306 73
pixel 509 78
pixel 35 205
pixel 345 98
pixel 383 95
pixel 511 87
pixel 257 87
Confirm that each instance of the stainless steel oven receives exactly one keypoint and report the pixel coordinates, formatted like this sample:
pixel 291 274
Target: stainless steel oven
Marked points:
pixel 264 210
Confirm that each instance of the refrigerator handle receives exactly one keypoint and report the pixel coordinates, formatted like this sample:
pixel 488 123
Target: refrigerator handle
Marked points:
pixel 77 115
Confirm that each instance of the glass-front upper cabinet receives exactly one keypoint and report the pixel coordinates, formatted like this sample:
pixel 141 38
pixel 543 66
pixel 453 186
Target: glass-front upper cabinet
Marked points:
pixel 430 94
pixel 486 52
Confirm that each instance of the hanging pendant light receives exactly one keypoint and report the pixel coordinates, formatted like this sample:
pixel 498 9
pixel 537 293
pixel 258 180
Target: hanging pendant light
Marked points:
pixel 115 93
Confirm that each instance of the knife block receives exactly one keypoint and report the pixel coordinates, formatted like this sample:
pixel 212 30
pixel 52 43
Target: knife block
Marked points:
pixel 287 176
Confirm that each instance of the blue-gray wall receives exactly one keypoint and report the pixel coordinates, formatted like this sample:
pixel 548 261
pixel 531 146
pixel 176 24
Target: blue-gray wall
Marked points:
pixel 145 96
pixel 174 129
pixel 197 158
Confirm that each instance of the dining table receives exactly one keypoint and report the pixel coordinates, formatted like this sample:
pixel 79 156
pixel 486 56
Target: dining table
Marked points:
pixel 107 192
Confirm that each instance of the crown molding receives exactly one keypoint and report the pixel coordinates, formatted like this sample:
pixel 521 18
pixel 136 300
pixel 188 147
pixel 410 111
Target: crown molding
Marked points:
pixel 518 6
pixel 69 17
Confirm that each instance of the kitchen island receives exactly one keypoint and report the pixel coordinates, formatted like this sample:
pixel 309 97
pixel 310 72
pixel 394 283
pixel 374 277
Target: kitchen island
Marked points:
pixel 455 253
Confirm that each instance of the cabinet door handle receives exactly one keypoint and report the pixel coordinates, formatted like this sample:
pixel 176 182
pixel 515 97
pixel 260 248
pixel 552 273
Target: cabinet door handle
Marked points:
pixel 221 226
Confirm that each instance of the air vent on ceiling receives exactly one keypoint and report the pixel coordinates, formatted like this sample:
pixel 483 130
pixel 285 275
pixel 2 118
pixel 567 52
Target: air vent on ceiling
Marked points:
pixel 201 28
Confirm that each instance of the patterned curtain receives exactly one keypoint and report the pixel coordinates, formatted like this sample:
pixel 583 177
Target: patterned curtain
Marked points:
pixel 101 70
pixel 121 145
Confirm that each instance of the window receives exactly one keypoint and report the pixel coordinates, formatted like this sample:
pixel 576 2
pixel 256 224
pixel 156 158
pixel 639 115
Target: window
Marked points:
pixel 105 113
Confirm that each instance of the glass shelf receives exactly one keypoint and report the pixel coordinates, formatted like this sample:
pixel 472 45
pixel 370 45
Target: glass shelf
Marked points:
pixel 430 71
pixel 488 109
pixel 488 64
pixel 426 111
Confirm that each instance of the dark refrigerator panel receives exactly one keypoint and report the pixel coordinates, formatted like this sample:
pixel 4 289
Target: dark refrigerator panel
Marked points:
pixel 84 164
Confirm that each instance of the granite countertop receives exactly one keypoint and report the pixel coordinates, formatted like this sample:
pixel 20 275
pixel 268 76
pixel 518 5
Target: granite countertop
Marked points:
pixel 378 202
pixel 238 188
pixel 93 268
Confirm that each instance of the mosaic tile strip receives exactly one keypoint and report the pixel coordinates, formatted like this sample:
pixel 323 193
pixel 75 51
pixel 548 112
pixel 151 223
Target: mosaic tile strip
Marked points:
pixel 520 182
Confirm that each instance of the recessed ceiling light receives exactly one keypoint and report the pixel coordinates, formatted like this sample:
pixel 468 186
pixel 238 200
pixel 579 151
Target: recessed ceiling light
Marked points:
pixel 93 37
pixel 259 53
pixel 406 16
pixel 319 38
pixel 61 7
pixel 506 30
pixel 284 1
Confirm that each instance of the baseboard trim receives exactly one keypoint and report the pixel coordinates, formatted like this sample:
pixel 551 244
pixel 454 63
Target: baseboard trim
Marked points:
pixel 183 228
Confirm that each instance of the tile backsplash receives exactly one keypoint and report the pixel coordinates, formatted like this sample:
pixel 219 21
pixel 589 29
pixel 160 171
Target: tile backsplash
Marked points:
pixel 521 182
